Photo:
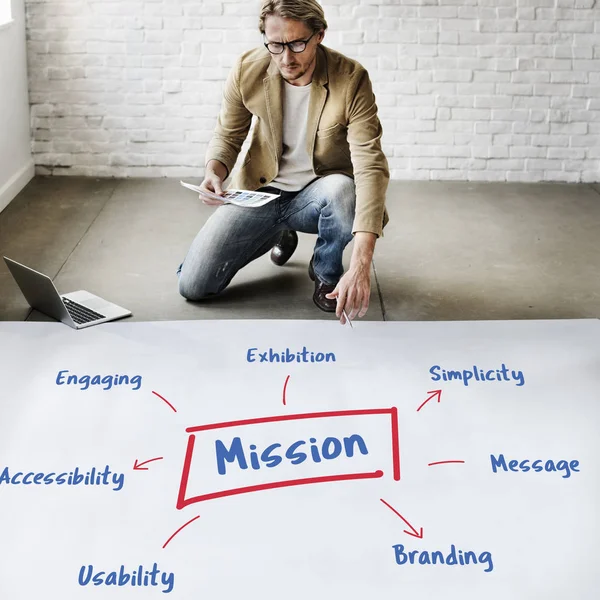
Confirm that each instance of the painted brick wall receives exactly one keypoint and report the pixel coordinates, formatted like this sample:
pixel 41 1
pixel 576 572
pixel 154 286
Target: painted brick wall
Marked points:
pixel 485 90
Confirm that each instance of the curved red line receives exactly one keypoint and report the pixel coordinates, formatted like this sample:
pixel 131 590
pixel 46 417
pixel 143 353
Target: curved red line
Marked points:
pixel 190 521
pixel 278 418
pixel 165 400
pixel 279 484
pixel 285 388
pixel 445 462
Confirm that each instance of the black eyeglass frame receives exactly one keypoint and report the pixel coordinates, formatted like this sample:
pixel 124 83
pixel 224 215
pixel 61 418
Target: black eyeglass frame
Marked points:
pixel 289 45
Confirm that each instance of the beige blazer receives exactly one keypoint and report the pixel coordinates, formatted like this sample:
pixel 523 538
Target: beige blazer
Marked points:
pixel 343 134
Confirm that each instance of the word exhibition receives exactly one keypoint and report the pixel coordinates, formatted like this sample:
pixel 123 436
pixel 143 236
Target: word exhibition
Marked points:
pixel 288 356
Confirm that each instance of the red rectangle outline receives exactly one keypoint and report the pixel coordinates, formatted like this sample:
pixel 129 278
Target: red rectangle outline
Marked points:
pixel 182 502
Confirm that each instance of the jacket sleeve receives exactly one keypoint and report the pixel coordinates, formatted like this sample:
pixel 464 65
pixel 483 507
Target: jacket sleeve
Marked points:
pixel 233 123
pixel 369 164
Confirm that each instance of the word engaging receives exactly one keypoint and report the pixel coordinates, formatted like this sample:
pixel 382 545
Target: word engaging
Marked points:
pixel 537 466
pixel 75 477
pixel 478 374
pixel 122 577
pixel 330 449
pixel 106 381
pixel 453 558
pixel 286 356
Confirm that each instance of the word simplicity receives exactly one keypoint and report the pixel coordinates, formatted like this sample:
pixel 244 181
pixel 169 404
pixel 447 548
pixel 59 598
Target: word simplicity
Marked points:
pixel 477 374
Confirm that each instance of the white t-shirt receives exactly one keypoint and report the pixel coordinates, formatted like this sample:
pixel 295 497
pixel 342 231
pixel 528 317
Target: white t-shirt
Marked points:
pixel 295 167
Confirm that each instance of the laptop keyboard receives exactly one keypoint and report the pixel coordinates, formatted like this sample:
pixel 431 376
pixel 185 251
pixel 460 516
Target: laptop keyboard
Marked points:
pixel 80 314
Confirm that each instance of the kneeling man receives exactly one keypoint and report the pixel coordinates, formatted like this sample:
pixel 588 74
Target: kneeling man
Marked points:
pixel 316 143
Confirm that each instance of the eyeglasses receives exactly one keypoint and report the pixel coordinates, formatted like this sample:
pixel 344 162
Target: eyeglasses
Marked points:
pixel 295 46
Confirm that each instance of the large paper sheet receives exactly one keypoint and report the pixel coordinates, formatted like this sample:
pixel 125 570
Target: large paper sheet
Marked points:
pixel 274 459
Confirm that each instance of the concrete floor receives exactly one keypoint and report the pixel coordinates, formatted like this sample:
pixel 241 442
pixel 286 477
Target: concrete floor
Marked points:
pixel 452 251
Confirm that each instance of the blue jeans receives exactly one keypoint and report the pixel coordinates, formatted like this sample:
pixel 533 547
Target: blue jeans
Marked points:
pixel 234 235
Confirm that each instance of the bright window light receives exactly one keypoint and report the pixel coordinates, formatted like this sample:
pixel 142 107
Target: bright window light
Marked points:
pixel 5 12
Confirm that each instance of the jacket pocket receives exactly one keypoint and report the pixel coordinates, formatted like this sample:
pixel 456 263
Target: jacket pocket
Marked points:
pixel 336 129
pixel 331 148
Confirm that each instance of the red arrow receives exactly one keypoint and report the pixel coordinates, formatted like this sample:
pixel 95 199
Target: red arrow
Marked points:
pixel 413 531
pixel 433 393
pixel 140 466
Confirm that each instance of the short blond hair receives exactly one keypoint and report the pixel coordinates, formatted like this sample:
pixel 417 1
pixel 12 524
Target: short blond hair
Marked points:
pixel 307 11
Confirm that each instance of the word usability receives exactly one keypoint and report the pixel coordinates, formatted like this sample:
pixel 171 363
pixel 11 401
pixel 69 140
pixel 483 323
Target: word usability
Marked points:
pixel 139 577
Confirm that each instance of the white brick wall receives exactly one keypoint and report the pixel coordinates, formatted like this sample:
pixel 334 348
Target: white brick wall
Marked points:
pixel 482 90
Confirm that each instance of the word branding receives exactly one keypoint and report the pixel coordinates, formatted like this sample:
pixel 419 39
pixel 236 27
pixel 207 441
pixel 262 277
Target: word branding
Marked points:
pixel 122 577
pixel 453 558
pixel 478 374
pixel 287 356
pixel 107 381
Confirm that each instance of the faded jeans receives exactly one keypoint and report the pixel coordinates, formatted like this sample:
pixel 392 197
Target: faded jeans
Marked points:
pixel 235 235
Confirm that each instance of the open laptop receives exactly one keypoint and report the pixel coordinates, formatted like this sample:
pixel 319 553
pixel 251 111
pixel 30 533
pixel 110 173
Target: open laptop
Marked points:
pixel 76 309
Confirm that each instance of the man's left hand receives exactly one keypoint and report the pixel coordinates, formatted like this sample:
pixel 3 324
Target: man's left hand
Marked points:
pixel 354 288
pixel 353 292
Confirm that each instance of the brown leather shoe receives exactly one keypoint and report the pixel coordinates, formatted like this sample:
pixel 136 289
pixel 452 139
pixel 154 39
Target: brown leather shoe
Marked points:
pixel 321 289
pixel 284 247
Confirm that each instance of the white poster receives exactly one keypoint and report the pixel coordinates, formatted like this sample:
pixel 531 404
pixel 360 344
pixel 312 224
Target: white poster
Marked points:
pixel 290 459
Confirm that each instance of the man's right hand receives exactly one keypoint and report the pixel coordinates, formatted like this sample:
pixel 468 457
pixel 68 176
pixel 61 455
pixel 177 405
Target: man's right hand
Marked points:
pixel 216 173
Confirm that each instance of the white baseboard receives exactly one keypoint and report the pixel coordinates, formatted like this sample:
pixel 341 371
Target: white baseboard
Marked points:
pixel 16 183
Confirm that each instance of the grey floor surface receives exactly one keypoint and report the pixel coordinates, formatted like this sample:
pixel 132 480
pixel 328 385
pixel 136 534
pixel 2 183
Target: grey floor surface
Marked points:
pixel 452 251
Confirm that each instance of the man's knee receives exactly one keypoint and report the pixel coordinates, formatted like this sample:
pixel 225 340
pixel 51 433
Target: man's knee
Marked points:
pixel 189 290
pixel 341 201
pixel 197 288
pixel 341 187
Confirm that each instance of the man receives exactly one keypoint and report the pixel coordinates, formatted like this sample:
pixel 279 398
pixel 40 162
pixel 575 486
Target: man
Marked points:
pixel 316 143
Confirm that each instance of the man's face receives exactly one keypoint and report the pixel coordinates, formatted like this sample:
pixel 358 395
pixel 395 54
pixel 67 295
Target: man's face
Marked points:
pixel 292 66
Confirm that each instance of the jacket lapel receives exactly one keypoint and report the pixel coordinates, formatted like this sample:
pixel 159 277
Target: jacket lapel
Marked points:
pixel 273 85
pixel 318 95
